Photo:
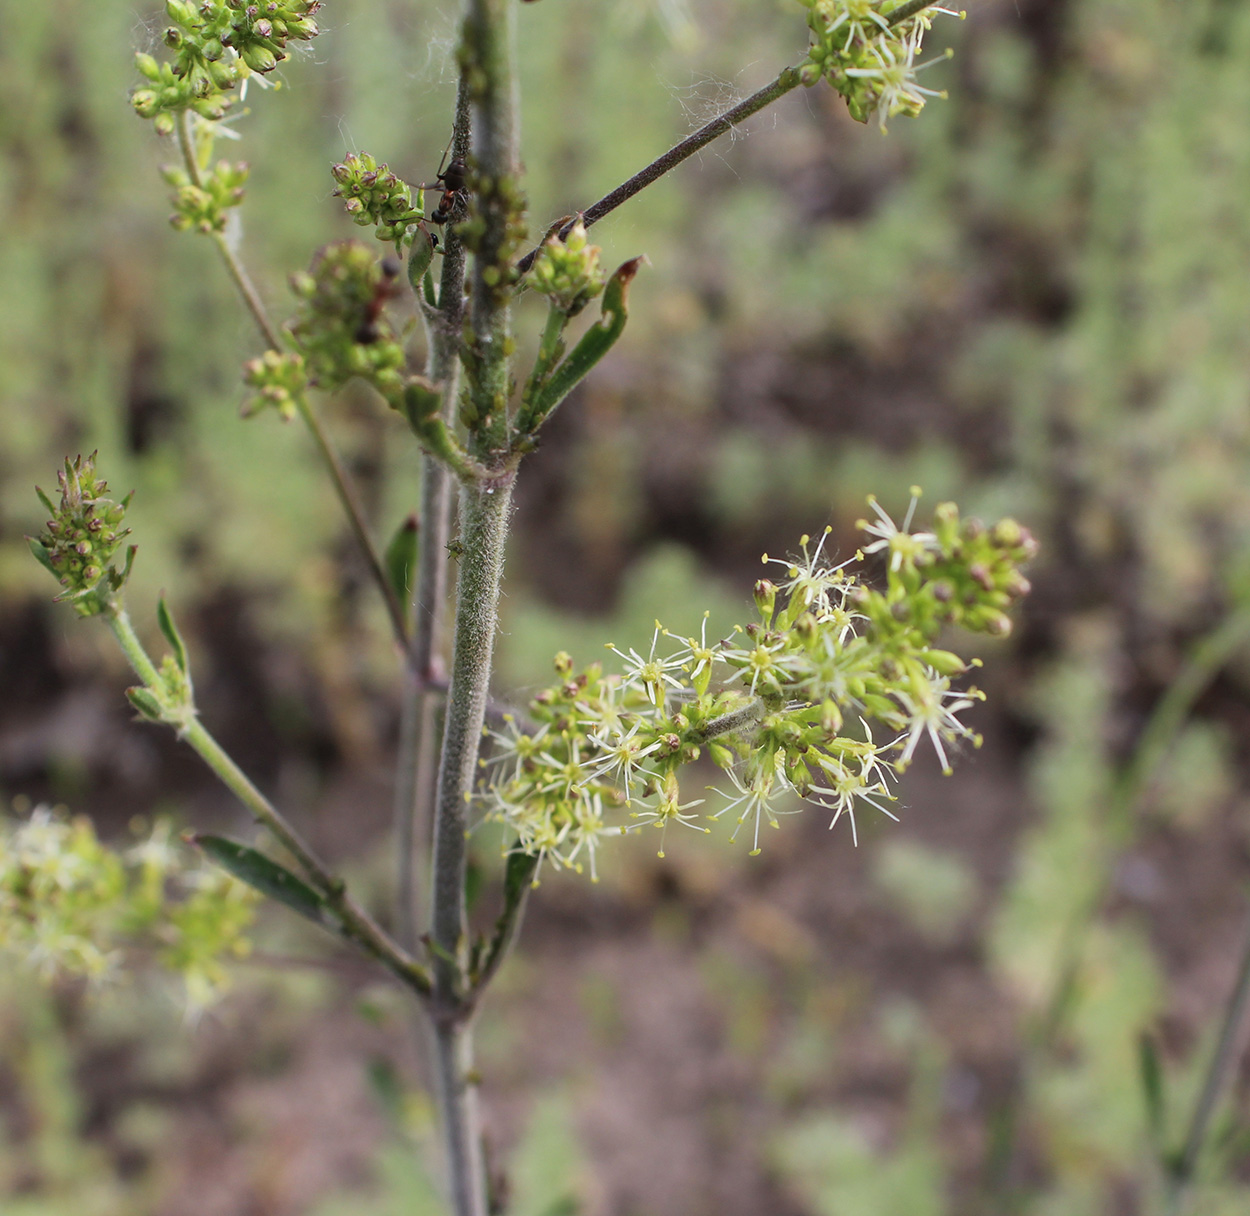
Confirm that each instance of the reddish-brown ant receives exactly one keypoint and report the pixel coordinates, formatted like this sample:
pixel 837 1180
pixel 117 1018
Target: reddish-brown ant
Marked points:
pixel 454 180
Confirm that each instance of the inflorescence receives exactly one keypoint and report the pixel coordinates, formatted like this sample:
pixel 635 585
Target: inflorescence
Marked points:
pixel 869 59
pixel 217 45
pixel 822 700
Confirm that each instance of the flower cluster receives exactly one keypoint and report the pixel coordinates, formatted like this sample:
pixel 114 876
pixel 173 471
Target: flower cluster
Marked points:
pixel 216 44
pixel 372 194
pixel 69 903
pixel 279 379
pixel 567 271
pixel 204 207
pixel 82 537
pixel 340 328
pixel 821 700
pixel 868 56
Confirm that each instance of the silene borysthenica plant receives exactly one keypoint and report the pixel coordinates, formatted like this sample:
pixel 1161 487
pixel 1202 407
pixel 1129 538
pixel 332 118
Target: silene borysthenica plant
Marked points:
pixel 818 700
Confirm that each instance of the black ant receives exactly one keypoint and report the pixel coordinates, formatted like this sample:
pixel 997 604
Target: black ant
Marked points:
pixel 454 179
pixel 368 331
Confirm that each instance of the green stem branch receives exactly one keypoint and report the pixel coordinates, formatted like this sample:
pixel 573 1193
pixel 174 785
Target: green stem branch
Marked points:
pixel 1219 1071
pixel 788 79
pixel 355 924
pixel 417 763
pixel 343 487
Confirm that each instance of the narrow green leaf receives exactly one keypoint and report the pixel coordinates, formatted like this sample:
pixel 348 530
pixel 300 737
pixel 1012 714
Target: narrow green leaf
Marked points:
pixel 1150 1072
pixel 420 257
pixel 594 344
pixel 41 556
pixel 166 620
pixel 47 502
pixel 517 878
pixel 401 558
pixel 265 875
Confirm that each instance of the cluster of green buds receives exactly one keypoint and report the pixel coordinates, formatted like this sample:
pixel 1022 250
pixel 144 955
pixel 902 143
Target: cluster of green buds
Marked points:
pixel 82 536
pixel 216 44
pixel 279 379
pixel 373 195
pixel 204 207
pixel 69 903
pixel 340 327
pixel 567 271
pixel 821 701
pixel 867 50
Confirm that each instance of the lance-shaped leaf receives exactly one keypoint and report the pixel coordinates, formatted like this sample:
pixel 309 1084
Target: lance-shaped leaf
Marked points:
pixel 1150 1072
pixel 401 558
pixel 517 880
pixel 594 344
pixel 265 875
pixel 165 619
pixel 420 257
pixel 41 556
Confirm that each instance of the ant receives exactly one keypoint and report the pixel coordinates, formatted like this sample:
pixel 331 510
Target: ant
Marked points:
pixel 454 179
pixel 368 331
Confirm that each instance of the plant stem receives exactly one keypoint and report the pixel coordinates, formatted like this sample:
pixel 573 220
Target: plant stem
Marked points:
pixel 909 9
pixel 483 528
pixel 343 486
pixel 787 80
pixel 484 523
pixel 457 1099
pixel 735 719
pixel 1223 1064
pixel 355 924
pixel 417 763
pixel 1165 723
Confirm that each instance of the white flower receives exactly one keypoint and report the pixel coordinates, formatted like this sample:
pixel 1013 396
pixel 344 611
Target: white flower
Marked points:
pixel 620 758
pixel 755 799
pixel 905 547
pixel 847 782
pixel 808 581
pixel 651 674
pixel 932 711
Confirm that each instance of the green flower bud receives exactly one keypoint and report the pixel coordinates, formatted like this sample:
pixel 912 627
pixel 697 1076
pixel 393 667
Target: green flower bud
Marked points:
pixel 567 271
pixel 260 59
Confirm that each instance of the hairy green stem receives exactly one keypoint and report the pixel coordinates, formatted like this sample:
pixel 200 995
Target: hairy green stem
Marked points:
pixel 483 529
pixel 735 719
pixel 489 52
pixel 1223 1065
pixel 355 924
pixel 343 487
pixel 417 762
pixel 456 1086
pixel 909 9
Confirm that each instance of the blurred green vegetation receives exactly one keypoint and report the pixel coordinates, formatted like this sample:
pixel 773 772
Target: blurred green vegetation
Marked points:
pixel 1034 299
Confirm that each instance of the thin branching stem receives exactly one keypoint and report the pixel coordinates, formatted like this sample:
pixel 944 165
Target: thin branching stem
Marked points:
pixel 417 762
pixel 787 80
pixel 1219 1072
pixel 1155 742
pixel 734 720
pixel 354 923
pixel 488 62
pixel 343 486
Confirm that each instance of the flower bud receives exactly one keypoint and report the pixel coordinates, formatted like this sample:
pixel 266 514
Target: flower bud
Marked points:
pixel 766 598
